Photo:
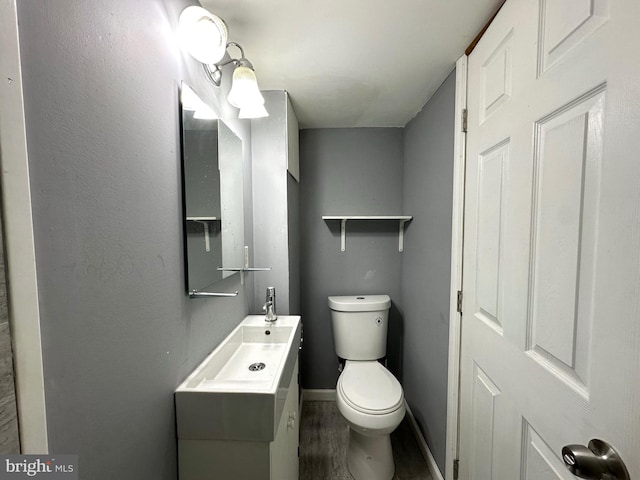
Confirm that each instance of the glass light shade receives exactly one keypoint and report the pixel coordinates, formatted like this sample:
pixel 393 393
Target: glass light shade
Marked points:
pixel 244 89
pixel 255 111
pixel 202 34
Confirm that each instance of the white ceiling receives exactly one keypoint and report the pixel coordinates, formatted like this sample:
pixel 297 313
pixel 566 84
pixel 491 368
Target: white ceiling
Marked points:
pixel 353 63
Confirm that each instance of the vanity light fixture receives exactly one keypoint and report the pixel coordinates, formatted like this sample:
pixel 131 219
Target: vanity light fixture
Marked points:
pixel 244 93
pixel 204 36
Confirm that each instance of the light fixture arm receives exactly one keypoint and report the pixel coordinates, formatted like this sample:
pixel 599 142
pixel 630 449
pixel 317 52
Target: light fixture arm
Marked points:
pixel 215 74
pixel 239 62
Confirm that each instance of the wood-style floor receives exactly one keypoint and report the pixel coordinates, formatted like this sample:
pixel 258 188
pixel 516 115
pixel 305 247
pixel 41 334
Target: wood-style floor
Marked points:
pixel 323 446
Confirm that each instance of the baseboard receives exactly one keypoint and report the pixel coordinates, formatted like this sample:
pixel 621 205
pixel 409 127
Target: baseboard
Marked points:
pixel 424 448
pixel 318 395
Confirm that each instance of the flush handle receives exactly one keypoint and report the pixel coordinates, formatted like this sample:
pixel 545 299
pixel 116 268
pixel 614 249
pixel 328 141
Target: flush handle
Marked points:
pixel 598 461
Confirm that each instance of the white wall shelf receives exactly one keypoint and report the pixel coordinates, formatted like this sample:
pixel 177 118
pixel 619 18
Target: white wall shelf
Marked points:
pixel 401 219
pixel 244 269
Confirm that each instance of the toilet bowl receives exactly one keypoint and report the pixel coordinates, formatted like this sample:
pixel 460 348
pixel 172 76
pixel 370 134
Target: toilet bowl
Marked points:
pixel 368 396
pixel 371 400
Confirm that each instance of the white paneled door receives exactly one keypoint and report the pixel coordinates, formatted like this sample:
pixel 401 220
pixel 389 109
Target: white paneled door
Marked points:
pixel 551 309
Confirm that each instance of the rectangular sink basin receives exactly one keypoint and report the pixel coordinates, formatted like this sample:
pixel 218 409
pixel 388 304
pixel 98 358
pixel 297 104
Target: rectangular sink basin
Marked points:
pixel 238 391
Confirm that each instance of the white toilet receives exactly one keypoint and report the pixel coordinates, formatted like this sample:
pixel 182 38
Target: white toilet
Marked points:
pixel 368 396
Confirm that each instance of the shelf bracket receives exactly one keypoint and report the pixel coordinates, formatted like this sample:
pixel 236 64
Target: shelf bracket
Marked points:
pixel 401 235
pixel 207 242
pixel 343 235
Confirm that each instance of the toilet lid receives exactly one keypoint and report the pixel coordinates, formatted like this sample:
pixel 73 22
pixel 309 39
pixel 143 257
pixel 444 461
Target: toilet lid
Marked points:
pixel 370 388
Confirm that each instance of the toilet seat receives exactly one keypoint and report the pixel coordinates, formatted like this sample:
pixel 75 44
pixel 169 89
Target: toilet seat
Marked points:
pixel 368 387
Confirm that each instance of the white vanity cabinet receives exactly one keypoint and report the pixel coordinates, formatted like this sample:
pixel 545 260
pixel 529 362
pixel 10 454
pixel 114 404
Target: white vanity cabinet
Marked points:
pixel 213 459
pixel 283 451
pixel 237 412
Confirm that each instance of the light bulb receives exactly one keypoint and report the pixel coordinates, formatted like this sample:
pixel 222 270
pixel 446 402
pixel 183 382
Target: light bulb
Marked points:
pixel 202 34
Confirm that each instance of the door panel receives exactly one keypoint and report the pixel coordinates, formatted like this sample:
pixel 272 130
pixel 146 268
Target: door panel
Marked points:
pixel 490 202
pixel 565 24
pixel 540 462
pixel 496 78
pixel 485 397
pixel 551 312
pixel 567 163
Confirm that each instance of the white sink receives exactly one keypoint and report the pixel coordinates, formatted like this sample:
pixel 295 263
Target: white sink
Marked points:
pixel 238 391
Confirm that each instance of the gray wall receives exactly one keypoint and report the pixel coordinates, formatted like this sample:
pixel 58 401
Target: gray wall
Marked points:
pixel 101 82
pixel 354 172
pixel 426 263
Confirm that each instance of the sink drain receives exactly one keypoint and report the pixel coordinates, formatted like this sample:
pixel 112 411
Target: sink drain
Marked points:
pixel 256 367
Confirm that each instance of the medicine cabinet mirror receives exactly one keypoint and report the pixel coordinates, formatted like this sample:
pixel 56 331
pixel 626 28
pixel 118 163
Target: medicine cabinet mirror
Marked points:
pixel 212 176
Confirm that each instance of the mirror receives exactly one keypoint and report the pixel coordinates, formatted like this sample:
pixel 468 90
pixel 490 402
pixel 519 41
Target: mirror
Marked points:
pixel 212 159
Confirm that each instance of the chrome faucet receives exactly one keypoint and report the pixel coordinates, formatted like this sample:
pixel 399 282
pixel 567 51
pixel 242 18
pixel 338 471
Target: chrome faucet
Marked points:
pixel 270 305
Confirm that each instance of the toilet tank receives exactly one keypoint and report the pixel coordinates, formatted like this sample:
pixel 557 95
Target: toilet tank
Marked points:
pixel 360 324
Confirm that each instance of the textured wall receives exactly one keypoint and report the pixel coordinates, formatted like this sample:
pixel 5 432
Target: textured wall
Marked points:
pixel 426 264
pixel 101 82
pixel 354 172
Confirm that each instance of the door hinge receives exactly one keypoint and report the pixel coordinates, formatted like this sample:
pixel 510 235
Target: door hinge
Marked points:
pixel 464 120
pixel 456 468
pixel 459 306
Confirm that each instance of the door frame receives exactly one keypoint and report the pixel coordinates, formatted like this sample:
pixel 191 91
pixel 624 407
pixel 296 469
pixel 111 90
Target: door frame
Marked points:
pixel 22 289
pixel 457 241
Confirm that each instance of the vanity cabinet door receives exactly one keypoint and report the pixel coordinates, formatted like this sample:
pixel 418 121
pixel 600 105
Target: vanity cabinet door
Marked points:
pixel 284 448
